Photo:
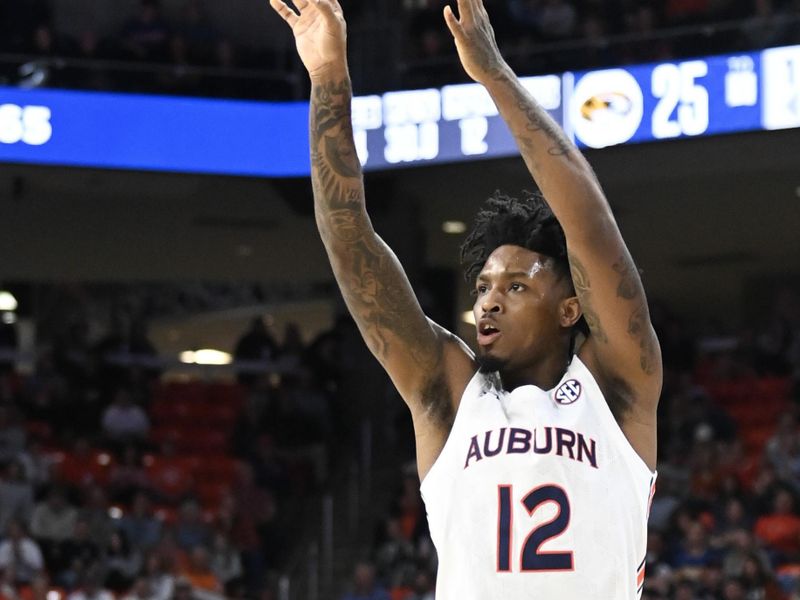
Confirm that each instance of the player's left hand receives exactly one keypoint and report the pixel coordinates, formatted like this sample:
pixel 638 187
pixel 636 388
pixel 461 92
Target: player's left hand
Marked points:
pixel 475 40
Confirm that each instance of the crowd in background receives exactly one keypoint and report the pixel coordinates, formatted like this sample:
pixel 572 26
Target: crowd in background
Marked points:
pixel 535 35
pixel 725 520
pixel 115 484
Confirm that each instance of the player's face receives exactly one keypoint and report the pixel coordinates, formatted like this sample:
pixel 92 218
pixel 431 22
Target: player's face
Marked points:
pixel 517 304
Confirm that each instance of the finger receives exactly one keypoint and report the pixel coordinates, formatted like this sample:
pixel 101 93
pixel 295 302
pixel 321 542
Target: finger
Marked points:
pixel 466 11
pixel 452 23
pixel 326 8
pixel 300 4
pixel 284 11
pixel 337 8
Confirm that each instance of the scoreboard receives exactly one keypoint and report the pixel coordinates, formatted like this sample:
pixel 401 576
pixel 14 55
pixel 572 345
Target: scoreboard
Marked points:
pixel 625 105
pixel 642 103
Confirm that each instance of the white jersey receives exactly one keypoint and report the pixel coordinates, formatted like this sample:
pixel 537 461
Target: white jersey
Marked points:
pixel 538 495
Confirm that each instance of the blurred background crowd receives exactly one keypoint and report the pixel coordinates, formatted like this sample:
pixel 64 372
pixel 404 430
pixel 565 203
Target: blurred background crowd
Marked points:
pixel 123 482
pixel 183 49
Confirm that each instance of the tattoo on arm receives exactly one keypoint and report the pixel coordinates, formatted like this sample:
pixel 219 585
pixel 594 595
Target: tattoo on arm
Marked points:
pixel 639 330
pixel 580 280
pixel 538 121
pixel 630 288
pixel 371 279
pixel 628 285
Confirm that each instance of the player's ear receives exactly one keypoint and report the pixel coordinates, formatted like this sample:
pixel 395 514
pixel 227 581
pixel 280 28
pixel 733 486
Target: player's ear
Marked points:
pixel 569 311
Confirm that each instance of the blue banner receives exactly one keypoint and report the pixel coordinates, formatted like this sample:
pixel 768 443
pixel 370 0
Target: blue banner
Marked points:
pixel 643 103
pixel 153 133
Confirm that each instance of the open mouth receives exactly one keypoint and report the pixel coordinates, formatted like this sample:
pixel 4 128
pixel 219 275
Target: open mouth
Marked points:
pixel 487 333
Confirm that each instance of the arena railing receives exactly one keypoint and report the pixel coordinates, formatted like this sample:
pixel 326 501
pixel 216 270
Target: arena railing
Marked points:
pixel 290 83
pixel 707 32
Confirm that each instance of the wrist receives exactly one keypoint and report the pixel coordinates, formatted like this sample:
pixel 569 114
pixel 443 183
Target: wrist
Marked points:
pixel 329 73
pixel 501 75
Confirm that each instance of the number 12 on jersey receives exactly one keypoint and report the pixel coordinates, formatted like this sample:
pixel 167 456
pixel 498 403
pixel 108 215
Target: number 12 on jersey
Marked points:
pixel 532 558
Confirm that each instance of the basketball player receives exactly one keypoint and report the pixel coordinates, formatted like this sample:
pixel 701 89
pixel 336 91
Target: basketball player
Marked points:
pixel 537 464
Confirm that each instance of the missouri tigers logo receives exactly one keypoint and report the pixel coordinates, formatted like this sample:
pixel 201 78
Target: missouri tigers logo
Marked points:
pixel 568 392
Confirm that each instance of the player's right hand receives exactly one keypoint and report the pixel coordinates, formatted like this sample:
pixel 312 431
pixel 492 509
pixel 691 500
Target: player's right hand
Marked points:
pixel 475 41
pixel 320 33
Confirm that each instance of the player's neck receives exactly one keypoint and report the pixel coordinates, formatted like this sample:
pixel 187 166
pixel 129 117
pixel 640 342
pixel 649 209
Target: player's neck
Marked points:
pixel 544 374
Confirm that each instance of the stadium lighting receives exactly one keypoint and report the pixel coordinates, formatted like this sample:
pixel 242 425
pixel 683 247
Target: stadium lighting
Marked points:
pixel 206 356
pixel 454 227
pixel 468 317
pixel 7 301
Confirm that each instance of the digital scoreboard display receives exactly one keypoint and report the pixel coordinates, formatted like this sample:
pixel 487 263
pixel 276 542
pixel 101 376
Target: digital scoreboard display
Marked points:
pixel 641 103
pixel 634 104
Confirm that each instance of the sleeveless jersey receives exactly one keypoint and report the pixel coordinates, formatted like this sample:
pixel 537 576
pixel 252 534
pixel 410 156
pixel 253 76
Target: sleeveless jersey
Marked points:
pixel 538 495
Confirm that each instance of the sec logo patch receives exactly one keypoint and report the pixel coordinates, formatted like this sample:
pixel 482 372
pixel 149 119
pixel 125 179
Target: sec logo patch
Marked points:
pixel 568 392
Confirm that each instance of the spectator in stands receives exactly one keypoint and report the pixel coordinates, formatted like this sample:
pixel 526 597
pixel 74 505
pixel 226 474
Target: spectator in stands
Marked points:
pixel 783 450
pixel 291 354
pixel 183 590
pixel 190 529
pixel 424 587
pixel 759 580
pixel 694 552
pixel 140 590
pixel 140 527
pixel 395 557
pixel 146 36
pixel 780 529
pixel 225 560
pixel 740 546
pixel 8 584
pixel 91 586
pixel 12 434
pixel 37 464
pixel 95 511
pixel 124 421
pixel 20 553
pixel 199 573
pixel 256 344
pixel 240 518
pixel 16 496
pixel 53 521
pixel 158 572
pixel 734 589
pixel 80 552
pixel 128 476
pixel 123 563
pixel 364 585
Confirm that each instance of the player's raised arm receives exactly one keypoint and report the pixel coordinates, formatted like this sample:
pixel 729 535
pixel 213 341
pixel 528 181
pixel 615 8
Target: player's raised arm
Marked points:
pixel 622 349
pixel 418 355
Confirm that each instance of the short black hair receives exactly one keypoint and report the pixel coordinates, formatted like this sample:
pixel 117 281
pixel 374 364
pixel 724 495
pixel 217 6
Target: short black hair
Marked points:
pixel 504 220
pixel 527 222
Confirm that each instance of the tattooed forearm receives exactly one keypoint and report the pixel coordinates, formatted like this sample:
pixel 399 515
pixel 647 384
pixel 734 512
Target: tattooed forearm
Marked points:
pixel 373 284
pixel 583 289
pixel 534 121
